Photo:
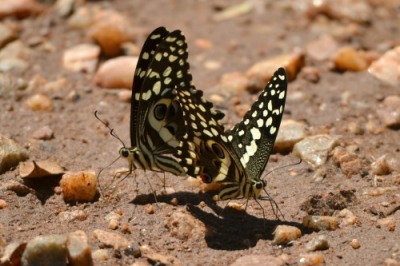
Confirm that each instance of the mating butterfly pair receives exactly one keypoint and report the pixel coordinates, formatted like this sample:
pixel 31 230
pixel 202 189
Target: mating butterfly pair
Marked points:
pixel 174 129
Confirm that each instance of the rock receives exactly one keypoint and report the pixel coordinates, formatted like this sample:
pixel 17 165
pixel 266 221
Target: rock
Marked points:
pixel 349 162
pixel 100 255
pixel 236 206
pixel 241 109
pixel 314 149
pixel 387 67
pixel 113 220
pixel 12 254
pixel 311 74
pixel 39 169
pixel 6 34
pixel 204 44
pixel 235 82
pixel 318 243
pixel 183 226
pixel 56 85
pixel 39 102
pixel 212 65
pixel 261 72
pixel 3 204
pixel 284 234
pixel 262 260
pixel 114 240
pixel 20 8
pixel 69 216
pixel 318 223
pixel 107 77
pixel 18 188
pixel 16 49
pixel 79 186
pixel 311 259
pixel 348 218
pixel 349 59
pixel 389 112
pixel 158 258
pixel 149 209
pixel 82 18
pixel 51 249
pixel 388 223
pixel 81 58
pixel 13 64
pixel 43 133
pixel 10 154
pixel 79 253
pixel 64 8
pixel 125 96
pixel 290 132
pixel 322 49
pixel 355 243
pixel 110 30
pixel 381 166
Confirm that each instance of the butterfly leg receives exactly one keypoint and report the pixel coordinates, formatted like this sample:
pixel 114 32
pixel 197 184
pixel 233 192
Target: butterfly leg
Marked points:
pixel 152 190
pixel 275 207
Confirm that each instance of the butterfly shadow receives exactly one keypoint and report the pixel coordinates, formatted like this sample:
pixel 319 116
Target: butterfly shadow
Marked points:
pixel 226 228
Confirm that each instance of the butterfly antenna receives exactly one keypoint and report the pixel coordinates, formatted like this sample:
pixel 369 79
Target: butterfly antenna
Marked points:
pixel 284 166
pixel 112 131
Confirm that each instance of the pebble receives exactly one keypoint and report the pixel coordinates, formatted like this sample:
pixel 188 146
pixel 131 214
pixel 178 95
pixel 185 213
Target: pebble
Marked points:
pixel 322 49
pixel 348 218
pixel 157 258
pixel 125 96
pixel 290 132
pixel 130 49
pixel 37 169
pixel 204 44
pixel 6 34
pixel 43 133
pixel 100 255
pixel 387 67
pixel 149 208
pixel 381 166
pixel 107 77
pixel 174 201
pixel 311 259
pixel 12 253
pixel 39 102
pixel 236 206
pixel 261 72
pixel 72 96
pixel 50 248
pixel 114 240
pixel 56 85
pixel 81 58
pixel 75 215
pixel 17 187
pixel 388 223
pixel 3 204
pixel 315 149
pixel 11 154
pixel 350 59
pixel 184 226
pixel 212 65
pixel 284 234
pixel 79 186
pixel 318 243
pixel 20 8
pixel 16 49
pixel 318 223
pixel 235 82
pixel 389 112
pixel 355 243
pixel 311 74
pixel 79 252
pixel 250 260
pixel 64 8
pixel 241 109
pixel 12 64
pixel 113 220
pixel 110 30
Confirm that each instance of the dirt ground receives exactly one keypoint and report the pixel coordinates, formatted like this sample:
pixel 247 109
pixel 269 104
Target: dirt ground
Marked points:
pixel 272 28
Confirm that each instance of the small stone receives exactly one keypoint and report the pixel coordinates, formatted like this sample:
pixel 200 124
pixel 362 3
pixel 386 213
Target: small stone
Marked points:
pixel 39 102
pixel 388 222
pixel 3 204
pixel 348 218
pixel 64 8
pixel 130 49
pixel 174 201
pixel 81 58
pixel 79 186
pixel 290 132
pixel 39 169
pixel 311 74
pixel 387 67
pixel 242 109
pixel 125 96
pixel 43 133
pixel 110 30
pixel 251 260
pixel 114 240
pixel 157 258
pixel 261 72
pixel 355 128
pixel 343 10
pixel 183 226
pixel 17 50
pixel 311 259
pixel 56 85
pixel 51 248
pixel 69 216
pixel 236 206
pixel 17 187
pixel 79 252
pixel 381 166
pixel 349 59
pixel 100 255
pixel 212 65
pixel 391 262
pixel 204 44
pixel 20 8
pixel 6 34
pixel 322 49
pixel 389 112
pixel 149 209
pixel 355 243
pixel 318 243
pixel 318 223
pixel 284 234
pixel 12 254
pixel 125 228
pixel 233 82
pixel 13 64
pixel 72 96
pixel 113 220
pixel 10 154
pixel 107 77
pixel 315 149
pixel 217 99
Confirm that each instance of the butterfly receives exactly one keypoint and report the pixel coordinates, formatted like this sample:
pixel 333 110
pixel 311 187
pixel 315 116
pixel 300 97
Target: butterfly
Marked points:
pixel 235 158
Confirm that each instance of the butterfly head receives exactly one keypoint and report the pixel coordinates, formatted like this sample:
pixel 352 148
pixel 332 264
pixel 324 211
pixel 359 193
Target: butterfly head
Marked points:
pixel 257 186
pixel 128 154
